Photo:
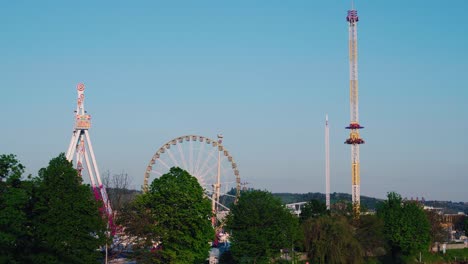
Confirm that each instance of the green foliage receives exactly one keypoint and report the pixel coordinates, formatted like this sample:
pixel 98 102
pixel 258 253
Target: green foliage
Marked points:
pixel 406 226
pixel 313 208
pixel 455 254
pixel 173 214
pixel 226 258
pixel 330 239
pixel 10 166
pixel 343 208
pixel 68 225
pixel 451 256
pixel 49 219
pixel 14 210
pixel 260 227
pixel 370 234
pixel 465 226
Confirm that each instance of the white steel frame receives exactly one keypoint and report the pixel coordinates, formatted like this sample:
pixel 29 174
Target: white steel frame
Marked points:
pixel 81 148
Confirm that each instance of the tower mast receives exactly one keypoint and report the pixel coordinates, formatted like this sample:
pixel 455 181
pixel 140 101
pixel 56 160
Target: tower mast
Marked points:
pixel 327 163
pixel 354 139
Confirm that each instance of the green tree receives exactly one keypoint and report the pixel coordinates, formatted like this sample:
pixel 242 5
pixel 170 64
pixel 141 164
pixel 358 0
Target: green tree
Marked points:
pixel 465 226
pixel 313 208
pixel 330 239
pixel 15 225
pixel 342 207
pixel 49 219
pixel 68 227
pixel 437 233
pixel 226 258
pixel 260 227
pixel 370 234
pixel 174 215
pixel 406 226
pixel 10 166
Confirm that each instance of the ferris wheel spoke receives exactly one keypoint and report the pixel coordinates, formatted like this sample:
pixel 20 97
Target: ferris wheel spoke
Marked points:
pixel 211 176
pixel 191 157
pixel 224 171
pixel 203 175
pixel 197 164
pixel 182 155
pixel 173 158
pixel 164 164
pixel 205 162
pixel 210 170
pixel 202 182
pixel 157 172
pixel 218 203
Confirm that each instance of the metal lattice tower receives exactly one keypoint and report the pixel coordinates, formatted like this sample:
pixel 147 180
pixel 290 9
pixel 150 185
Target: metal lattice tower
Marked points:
pixel 80 149
pixel 354 139
pixel 327 163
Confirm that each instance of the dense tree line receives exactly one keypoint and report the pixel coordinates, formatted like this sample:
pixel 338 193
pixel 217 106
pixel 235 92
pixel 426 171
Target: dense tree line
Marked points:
pixel 54 218
pixel 260 226
pixel 399 229
pixel 50 218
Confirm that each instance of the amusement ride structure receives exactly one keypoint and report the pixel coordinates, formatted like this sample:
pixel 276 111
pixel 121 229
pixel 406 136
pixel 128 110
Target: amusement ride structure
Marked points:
pixel 354 138
pixel 207 160
pixel 327 163
pixel 80 146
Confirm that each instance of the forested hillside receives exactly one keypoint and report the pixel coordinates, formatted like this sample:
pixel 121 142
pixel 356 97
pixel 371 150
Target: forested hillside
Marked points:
pixel 448 207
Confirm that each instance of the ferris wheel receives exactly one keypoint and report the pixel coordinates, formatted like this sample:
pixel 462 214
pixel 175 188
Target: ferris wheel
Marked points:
pixel 204 158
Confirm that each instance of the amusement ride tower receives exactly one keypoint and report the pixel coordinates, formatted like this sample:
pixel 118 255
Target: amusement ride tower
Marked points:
pixel 327 163
pixel 354 139
pixel 80 146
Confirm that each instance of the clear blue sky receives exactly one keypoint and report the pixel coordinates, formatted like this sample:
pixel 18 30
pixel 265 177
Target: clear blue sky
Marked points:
pixel 264 73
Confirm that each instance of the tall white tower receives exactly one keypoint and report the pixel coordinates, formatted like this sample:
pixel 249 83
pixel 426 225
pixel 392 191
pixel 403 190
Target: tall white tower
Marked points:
pixel 327 163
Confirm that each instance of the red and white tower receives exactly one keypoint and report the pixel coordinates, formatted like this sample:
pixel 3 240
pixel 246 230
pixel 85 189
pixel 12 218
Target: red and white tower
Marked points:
pixel 354 139
pixel 80 149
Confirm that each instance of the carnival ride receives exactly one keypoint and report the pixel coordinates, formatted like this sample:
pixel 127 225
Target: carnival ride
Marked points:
pixel 77 153
pixel 354 138
pixel 206 159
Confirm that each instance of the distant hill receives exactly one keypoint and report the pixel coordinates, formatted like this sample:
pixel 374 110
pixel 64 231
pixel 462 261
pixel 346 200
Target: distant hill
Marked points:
pixel 368 202
pixel 448 207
